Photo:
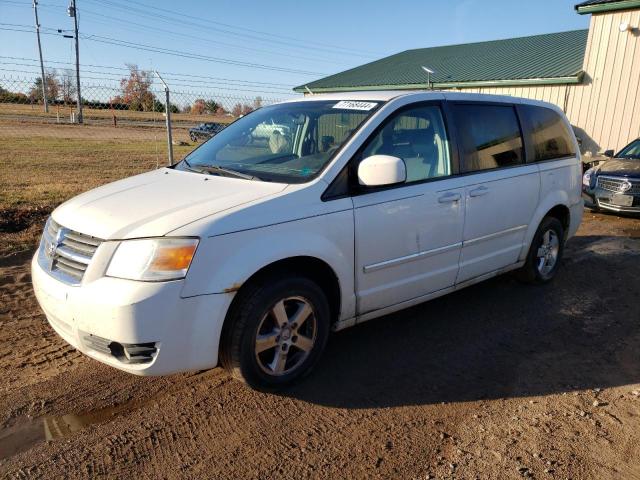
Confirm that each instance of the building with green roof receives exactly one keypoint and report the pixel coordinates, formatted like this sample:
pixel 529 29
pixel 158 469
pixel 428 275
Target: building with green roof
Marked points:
pixel 593 74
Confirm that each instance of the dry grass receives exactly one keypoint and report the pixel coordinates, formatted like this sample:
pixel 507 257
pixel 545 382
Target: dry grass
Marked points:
pixel 42 166
pixel 65 111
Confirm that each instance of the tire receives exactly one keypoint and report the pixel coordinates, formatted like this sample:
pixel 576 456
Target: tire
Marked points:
pixel 276 332
pixel 542 265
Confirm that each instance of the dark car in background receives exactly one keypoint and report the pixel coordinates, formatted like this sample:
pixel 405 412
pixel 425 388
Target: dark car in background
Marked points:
pixel 205 131
pixel 615 183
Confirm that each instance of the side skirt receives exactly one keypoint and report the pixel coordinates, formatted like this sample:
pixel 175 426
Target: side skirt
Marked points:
pixel 350 322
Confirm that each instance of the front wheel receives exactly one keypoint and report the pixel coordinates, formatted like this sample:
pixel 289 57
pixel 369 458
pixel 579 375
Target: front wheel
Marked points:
pixel 545 252
pixel 276 332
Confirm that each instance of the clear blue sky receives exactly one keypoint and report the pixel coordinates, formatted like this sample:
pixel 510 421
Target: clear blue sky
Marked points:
pixel 320 37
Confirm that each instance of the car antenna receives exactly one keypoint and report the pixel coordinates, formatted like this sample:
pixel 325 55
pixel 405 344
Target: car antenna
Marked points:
pixel 308 90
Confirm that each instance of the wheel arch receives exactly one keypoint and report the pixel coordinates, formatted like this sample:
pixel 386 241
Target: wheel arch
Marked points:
pixel 563 214
pixel 311 267
pixel 557 206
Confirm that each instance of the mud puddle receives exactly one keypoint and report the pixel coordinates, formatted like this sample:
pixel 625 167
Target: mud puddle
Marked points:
pixel 28 433
pixel 25 435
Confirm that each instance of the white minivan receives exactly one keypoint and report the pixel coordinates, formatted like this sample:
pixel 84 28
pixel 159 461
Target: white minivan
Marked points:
pixel 248 252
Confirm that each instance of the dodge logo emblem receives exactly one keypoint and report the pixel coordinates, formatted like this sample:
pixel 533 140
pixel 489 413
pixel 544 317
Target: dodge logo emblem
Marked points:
pixel 56 242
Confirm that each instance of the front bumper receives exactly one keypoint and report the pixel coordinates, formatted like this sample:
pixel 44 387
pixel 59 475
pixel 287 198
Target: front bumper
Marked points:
pixel 599 198
pixel 184 332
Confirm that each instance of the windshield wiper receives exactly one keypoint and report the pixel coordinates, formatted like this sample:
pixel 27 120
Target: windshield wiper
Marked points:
pixel 226 172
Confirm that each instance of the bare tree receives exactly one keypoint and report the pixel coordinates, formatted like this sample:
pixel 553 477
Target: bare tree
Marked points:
pixel 68 86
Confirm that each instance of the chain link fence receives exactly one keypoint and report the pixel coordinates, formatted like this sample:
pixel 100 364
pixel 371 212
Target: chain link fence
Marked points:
pixel 49 156
pixel 132 113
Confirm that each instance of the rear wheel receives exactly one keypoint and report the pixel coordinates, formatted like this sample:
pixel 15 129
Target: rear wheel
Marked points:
pixel 545 252
pixel 276 333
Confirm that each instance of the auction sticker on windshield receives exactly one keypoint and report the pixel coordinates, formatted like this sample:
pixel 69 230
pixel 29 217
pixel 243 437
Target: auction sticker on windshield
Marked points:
pixel 354 105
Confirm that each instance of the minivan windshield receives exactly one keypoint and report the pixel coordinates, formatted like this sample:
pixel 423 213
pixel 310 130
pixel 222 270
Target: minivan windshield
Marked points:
pixel 631 151
pixel 288 142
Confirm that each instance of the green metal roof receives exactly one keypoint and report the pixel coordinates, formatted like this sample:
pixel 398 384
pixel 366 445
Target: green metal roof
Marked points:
pixel 599 6
pixel 539 59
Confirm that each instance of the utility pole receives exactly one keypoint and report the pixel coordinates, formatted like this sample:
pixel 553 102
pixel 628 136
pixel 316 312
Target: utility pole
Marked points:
pixel 73 12
pixel 167 109
pixel 44 81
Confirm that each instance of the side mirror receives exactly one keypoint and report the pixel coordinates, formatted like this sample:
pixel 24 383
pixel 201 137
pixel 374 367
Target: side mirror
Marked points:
pixel 609 153
pixel 380 170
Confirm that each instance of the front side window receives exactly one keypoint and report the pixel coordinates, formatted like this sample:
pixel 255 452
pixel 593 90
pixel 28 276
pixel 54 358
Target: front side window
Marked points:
pixel 490 136
pixel 550 137
pixel 631 151
pixel 418 137
pixel 288 142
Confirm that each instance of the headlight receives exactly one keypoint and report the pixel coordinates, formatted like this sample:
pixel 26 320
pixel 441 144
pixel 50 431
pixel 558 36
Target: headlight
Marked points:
pixel 152 259
pixel 586 178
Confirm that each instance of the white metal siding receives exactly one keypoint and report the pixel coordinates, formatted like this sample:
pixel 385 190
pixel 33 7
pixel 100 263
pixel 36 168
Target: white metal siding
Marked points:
pixel 605 108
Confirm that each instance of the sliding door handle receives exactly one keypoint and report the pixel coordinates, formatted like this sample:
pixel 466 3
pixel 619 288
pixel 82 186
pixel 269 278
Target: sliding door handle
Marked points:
pixel 478 192
pixel 449 197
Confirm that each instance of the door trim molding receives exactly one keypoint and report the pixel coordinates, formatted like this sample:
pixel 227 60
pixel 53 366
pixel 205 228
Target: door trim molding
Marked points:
pixel 436 251
pixel 493 235
pixel 410 258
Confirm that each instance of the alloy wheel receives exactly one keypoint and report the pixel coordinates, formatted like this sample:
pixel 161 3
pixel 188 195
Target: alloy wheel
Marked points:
pixel 548 251
pixel 286 335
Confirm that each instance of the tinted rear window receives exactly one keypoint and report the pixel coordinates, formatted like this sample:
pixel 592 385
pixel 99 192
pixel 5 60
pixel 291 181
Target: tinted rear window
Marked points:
pixel 549 136
pixel 490 136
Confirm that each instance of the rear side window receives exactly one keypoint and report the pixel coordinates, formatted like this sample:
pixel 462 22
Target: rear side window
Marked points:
pixel 489 135
pixel 549 136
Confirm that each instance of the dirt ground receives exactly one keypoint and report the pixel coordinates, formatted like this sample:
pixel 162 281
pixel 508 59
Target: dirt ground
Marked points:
pixel 500 380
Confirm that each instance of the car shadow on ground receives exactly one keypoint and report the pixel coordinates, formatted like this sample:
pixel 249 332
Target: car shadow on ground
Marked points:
pixel 496 339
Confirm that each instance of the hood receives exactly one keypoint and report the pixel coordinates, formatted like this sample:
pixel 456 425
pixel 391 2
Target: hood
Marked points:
pixel 155 203
pixel 620 166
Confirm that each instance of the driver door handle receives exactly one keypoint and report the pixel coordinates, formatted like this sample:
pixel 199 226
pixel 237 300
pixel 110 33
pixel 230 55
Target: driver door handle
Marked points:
pixel 478 192
pixel 449 197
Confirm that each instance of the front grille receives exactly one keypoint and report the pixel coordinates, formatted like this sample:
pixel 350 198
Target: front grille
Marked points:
pixel 619 185
pixel 66 253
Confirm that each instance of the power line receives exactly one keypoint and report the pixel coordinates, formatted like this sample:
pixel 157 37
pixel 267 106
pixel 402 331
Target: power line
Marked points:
pixel 174 82
pixel 201 39
pixel 341 51
pixel 176 53
pixel 195 56
pixel 207 27
pixel 108 67
pixel 342 48
pixel 180 78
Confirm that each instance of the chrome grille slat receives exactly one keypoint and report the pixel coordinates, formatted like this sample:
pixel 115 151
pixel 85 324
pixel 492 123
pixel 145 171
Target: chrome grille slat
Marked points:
pixel 86 239
pixel 79 247
pixel 74 272
pixel 81 267
pixel 65 253
pixel 69 254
